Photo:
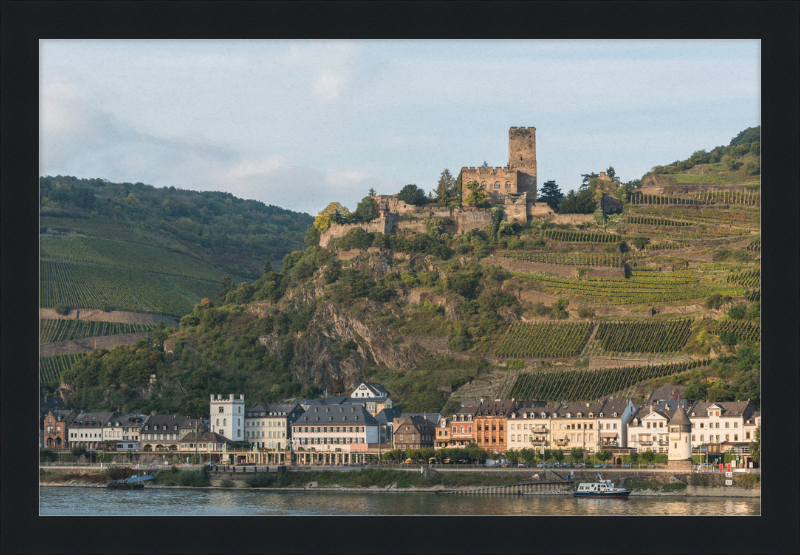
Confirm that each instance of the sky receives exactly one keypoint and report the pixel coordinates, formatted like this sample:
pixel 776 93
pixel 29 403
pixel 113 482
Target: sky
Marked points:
pixel 300 124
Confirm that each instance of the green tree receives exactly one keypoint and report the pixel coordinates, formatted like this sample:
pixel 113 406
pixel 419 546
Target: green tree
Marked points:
pixel 513 456
pixel 267 265
pixel 634 456
pixel 411 194
pixel 62 309
pixel 755 446
pixel 367 209
pixel 558 455
pixel 477 196
pixel 587 179
pixel 551 194
pixel 640 242
pixel 576 453
pixel 695 392
pixel 604 455
pixel 226 285
pixel 312 237
pixel 78 450
pixel 577 203
pixel 749 135
pixel 737 311
pixel 445 189
pixel 648 456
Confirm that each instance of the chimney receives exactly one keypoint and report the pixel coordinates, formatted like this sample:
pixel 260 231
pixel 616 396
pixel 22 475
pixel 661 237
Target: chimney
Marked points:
pixel 231 397
pixel 481 400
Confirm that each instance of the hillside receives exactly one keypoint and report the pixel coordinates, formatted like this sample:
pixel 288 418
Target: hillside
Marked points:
pixel 134 247
pixel 666 290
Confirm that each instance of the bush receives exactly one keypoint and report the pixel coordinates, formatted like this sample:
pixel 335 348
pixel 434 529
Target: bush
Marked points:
pixel 260 480
pixel 78 450
pixel 226 483
pixel 585 312
pixel 46 455
pixel 193 478
pixel 737 312
pixel 716 300
pixel 62 309
pixel 640 242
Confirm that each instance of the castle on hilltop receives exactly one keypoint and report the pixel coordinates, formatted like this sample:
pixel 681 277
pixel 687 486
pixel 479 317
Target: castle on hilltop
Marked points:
pixel 518 178
pixel 511 188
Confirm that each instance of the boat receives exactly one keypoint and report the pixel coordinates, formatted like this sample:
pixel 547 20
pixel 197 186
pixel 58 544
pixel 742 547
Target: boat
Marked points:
pixel 601 488
pixel 134 482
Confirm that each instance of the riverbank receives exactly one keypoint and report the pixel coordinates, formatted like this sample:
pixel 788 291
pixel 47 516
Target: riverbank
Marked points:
pixel 689 491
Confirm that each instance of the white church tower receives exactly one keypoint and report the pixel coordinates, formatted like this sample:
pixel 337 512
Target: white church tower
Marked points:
pixel 227 417
pixel 680 440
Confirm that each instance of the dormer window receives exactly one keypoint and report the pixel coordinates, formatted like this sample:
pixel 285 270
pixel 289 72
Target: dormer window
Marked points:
pixel 356 417
pixel 615 415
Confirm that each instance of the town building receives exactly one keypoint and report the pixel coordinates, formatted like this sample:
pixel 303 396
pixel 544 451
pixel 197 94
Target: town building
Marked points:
pixel 47 404
pixel 719 427
pixel 648 430
pixel 164 433
pixel 55 425
pixel 490 424
pixel 87 429
pixel 269 425
pixel 612 423
pixel 574 425
pixel 668 392
pixel 680 448
pixel 413 432
pixel 122 428
pixel 386 419
pixel 227 417
pixel 529 427
pixel 374 405
pixel 459 429
pixel 205 442
pixel 329 434
pixel 369 390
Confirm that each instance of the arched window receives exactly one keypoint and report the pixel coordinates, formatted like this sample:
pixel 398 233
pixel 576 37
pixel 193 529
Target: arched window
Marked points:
pixel 224 421
pixel 496 184
pixel 508 186
pixel 483 184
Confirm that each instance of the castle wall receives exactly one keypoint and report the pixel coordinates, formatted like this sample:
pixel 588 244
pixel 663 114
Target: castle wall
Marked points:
pixel 496 181
pixel 522 157
pixel 571 219
pixel 539 210
pixel 407 228
pixel 477 218
pixel 336 231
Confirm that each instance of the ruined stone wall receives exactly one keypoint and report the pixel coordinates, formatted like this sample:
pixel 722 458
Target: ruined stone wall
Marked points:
pixel 571 219
pixel 406 227
pixel 476 218
pixel 380 225
pixel 539 210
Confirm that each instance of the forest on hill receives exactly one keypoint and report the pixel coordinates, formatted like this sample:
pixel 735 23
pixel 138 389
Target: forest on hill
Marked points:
pixel 668 289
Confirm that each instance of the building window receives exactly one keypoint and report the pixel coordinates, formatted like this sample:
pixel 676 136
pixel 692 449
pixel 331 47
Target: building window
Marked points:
pixel 496 184
pixel 221 410
pixel 727 424
pixel 747 435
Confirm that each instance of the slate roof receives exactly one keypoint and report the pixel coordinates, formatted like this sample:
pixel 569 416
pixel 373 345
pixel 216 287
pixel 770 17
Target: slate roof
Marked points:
pixel 205 437
pixel 387 416
pixel 575 408
pixel 92 419
pixel 338 414
pixel 679 418
pixel 614 405
pixel 730 409
pixel 275 408
pixel 535 412
pixel 335 400
pixel 668 392
pixel 496 408
pixel 377 388
pixel 161 420
pixel 51 403
pixel 418 422
pixel 434 417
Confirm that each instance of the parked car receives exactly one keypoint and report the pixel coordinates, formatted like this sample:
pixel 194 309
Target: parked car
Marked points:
pixel 446 461
pixel 408 461
pixel 579 465
pixel 389 460
pixel 504 464
pixel 522 465
pixel 463 461
pixel 609 465
pixel 550 465
pixel 558 465
pixel 567 465
pixel 626 465
pixel 598 465
pixel 540 465
pixel 211 465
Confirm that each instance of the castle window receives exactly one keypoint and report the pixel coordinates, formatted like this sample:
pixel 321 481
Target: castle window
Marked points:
pixel 496 184
pixel 483 184
pixel 508 186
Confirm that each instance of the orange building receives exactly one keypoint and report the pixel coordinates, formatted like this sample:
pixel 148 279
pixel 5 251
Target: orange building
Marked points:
pixel 490 424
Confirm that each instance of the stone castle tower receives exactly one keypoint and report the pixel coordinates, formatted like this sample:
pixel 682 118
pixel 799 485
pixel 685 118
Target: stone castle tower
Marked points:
pixel 518 177
pixel 680 439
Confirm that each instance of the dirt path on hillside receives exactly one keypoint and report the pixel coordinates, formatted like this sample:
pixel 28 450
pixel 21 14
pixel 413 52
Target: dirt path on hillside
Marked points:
pixel 89 343
pixel 119 316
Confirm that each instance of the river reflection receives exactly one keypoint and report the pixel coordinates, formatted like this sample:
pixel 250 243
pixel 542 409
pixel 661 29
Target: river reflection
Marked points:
pixel 200 502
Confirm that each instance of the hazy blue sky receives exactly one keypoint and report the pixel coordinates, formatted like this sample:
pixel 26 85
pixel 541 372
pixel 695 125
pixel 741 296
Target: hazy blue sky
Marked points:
pixel 298 124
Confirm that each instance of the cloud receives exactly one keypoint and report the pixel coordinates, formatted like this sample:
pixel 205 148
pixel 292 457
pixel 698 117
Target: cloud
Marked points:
pixel 329 66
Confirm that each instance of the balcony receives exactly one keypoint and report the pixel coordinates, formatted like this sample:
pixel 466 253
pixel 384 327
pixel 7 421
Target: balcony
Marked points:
pixel 663 442
pixel 539 429
pixel 562 442
pixel 537 441
pixel 645 443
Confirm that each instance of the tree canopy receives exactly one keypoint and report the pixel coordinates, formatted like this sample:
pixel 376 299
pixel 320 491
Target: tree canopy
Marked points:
pixel 411 194
pixel 477 195
pixel 551 194
pixel 577 203
pixel 323 220
pixel 445 189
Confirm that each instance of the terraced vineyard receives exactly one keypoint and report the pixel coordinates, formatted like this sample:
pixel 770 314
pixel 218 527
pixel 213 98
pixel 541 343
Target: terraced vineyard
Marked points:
pixel 706 215
pixel 749 278
pixel 570 259
pixel 753 295
pixel 51 368
pixel 53 331
pixel 93 286
pixel 543 340
pixel 644 337
pixel 123 254
pixel 755 245
pixel 642 288
pixel 741 329
pixel 643 220
pixel 639 198
pixel 580 237
pixel 730 197
pixel 662 246
pixel 586 385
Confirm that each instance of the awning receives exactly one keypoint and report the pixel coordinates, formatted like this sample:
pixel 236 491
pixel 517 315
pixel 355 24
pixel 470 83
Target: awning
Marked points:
pixel 608 434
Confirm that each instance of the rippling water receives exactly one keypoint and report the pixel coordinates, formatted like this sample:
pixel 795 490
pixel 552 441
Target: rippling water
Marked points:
pixel 200 502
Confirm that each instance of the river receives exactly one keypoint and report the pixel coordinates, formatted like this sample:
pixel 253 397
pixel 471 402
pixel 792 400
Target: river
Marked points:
pixel 203 502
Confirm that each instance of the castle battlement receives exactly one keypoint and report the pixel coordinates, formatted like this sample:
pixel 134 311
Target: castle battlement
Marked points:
pixel 521 129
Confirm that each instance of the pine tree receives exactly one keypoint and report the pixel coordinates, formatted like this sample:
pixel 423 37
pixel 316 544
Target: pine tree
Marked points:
pixel 445 190
pixel 551 194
